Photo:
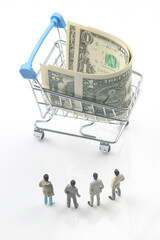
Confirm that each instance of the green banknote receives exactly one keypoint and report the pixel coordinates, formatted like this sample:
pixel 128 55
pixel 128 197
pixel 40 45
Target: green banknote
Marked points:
pixel 112 90
pixel 94 52
pixel 98 71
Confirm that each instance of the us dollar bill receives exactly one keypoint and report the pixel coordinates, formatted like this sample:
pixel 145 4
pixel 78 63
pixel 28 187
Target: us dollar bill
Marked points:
pixel 113 91
pixel 108 91
pixel 57 80
pixel 94 52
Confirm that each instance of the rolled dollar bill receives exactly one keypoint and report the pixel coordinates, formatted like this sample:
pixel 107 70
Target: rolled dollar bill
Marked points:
pixel 113 90
pixel 98 74
pixel 92 51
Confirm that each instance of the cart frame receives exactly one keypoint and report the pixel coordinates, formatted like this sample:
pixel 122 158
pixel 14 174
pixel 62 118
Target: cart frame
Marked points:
pixel 48 110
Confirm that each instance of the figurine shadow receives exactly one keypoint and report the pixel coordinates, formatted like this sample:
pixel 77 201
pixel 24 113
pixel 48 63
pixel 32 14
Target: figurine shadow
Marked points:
pixel 92 215
pixel 95 214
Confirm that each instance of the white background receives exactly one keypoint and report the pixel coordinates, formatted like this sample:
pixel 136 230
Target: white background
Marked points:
pixel 24 160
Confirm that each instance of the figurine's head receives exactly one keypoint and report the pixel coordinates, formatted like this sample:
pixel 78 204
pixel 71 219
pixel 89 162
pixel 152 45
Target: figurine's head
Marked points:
pixel 46 177
pixel 95 176
pixel 116 172
pixel 73 182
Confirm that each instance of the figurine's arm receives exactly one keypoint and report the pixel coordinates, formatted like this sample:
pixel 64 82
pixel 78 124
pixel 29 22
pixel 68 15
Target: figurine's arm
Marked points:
pixel 78 195
pixel 66 190
pixel 40 184
pixel 102 185
pixel 122 177
pixel 52 188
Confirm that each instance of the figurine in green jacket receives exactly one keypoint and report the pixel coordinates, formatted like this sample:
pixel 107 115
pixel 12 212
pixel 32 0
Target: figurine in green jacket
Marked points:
pixel 47 189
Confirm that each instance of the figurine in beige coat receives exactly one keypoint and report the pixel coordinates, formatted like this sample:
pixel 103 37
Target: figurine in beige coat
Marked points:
pixel 96 187
pixel 47 189
pixel 116 184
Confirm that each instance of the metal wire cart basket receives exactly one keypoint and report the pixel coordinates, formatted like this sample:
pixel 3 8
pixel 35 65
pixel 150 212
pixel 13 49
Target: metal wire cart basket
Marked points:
pixel 48 110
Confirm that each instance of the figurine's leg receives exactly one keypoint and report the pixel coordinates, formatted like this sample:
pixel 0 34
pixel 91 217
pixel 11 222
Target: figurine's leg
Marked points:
pixel 92 200
pixel 119 191
pixel 68 200
pixel 45 199
pixel 90 203
pixel 75 201
pixel 50 200
pixel 113 195
pixel 98 199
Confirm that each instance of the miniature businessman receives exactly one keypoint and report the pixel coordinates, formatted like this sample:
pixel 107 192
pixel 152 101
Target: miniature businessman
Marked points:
pixel 72 192
pixel 47 189
pixel 96 187
pixel 116 184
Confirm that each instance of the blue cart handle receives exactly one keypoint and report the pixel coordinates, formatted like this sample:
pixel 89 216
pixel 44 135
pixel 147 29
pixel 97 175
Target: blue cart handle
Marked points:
pixel 26 69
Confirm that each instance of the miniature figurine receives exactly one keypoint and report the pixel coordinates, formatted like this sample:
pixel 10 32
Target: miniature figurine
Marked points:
pixel 116 184
pixel 72 192
pixel 96 187
pixel 47 189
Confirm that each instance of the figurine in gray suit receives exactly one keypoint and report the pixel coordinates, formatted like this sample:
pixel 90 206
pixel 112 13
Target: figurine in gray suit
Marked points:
pixel 96 187
pixel 72 192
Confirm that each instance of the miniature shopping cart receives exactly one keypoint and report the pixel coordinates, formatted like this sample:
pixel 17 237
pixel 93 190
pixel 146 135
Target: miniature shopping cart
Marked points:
pixel 48 110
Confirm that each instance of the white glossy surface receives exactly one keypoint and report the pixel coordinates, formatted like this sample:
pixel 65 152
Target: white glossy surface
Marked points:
pixel 24 160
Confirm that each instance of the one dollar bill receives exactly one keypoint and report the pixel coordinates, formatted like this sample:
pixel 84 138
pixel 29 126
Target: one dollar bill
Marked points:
pixel 94 52
pixel 112 90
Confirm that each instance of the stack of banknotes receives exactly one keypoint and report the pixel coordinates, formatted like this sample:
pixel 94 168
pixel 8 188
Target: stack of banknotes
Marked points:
pixel 98 69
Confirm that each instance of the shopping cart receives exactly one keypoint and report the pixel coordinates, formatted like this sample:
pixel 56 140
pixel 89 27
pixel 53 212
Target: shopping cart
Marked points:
pixel 48 110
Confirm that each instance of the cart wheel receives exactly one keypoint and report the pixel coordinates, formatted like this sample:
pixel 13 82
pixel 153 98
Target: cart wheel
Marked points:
pixel 105 147
pixel 39 134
